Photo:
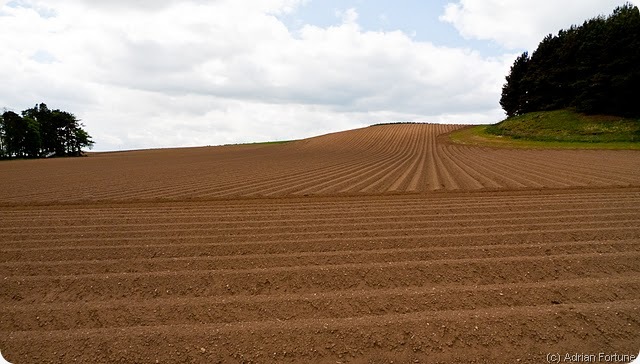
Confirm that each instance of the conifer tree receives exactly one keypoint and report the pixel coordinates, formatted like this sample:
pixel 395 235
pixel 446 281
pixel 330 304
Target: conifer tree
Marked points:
pixel 41 132
pixel 592 68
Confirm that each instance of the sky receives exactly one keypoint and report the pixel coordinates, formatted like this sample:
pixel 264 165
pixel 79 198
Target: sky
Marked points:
pixel 169 73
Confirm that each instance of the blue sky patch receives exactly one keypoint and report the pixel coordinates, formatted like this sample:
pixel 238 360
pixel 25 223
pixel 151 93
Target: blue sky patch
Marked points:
pixel 418 19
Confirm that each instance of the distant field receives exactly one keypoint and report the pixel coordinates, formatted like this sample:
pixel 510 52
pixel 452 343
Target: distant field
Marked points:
pixel 395 158
pixel 377 245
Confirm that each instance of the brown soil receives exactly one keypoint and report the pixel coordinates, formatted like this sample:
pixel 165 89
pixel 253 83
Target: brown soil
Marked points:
pixel 377 245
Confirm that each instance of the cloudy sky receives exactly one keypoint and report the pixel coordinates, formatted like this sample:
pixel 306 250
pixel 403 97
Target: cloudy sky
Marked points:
pixel 164 73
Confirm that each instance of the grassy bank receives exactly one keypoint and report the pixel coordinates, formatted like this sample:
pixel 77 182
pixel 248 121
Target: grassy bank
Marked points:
pixel 555 129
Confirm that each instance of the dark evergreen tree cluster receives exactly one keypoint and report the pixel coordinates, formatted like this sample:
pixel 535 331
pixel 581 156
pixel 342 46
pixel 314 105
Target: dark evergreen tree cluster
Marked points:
pixel 41 132
pixel 593 68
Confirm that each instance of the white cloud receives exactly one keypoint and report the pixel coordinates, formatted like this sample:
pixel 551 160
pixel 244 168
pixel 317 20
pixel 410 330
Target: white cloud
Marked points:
pixel 522 24
pixel 349 16
pixel 171 73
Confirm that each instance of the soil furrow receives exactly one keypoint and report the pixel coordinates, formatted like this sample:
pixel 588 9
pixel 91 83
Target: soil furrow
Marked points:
pixel 349 304
pixel 299 225
pixel 446 336
pixel 304 234
pixel 189 246
pixel 69 267
pixel 310 279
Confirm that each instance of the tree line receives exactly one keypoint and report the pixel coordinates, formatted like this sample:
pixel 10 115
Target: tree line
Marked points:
pixel 41 132
pixel 593 68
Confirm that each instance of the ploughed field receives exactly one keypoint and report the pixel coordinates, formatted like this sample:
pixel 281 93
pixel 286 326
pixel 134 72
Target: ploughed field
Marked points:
pixel 373 160
pixel 375 245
